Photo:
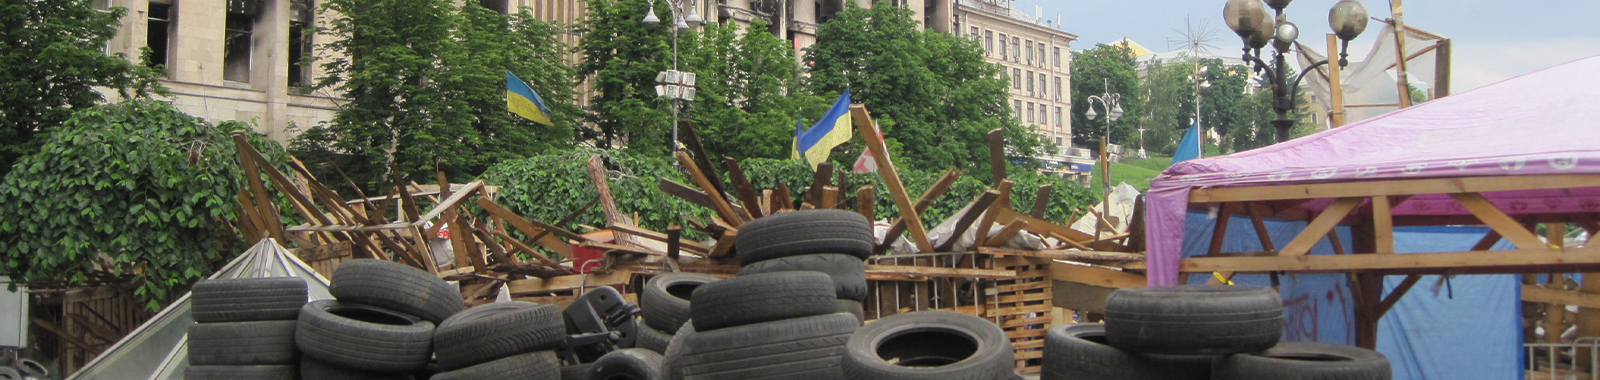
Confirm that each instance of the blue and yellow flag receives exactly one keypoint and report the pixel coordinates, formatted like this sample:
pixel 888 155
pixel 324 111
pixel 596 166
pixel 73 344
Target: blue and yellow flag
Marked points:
pixel 521 100
pixel 834 129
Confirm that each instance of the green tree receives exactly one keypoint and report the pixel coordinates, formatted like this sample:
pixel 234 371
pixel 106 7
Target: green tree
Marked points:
pixel 1169 101
pixel 1105 68
pixel 133 191
pixel 748 93
pixel 934 94
pixel 52 54
pixel 623 55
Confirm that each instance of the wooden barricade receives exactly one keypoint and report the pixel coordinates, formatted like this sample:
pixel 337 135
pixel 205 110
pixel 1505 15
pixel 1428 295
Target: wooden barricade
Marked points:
pixel 92 319
pixel 326 257
pixel 1011 292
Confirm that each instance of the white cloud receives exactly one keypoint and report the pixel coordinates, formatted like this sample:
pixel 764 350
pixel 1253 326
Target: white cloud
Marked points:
pixel 1475 63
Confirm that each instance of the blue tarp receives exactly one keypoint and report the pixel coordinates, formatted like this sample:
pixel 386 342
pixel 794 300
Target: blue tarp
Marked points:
pixel 1468 328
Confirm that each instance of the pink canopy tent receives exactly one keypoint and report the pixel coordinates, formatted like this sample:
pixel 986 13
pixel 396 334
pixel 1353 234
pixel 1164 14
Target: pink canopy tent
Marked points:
pixel 1540 124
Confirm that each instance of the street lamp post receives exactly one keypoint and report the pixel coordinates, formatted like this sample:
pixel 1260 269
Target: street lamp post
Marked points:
pixel 1112 103
pixel 673 83
pixel 1250 20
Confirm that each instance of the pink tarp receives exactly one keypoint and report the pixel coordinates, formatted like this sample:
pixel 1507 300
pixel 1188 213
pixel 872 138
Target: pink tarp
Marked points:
pixel 1546 122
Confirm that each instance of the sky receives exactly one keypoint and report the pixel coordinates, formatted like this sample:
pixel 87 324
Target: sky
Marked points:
pixel 1491 40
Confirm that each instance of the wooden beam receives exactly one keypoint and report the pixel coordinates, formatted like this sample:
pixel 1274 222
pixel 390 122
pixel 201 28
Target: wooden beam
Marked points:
pixel 1096 276
pixel 451 202
pixel 1219 230
pixel 1424 261
pixel 819 179
pixel 724 244
pixel 657 236
pixel 1258 216
pixel 891 177
pixel 747 192
pixel 597 175
pixel 703 160
pixel 997 156
pixel 686 193
pixel 265 208
pixel 1383 227
pixel 1006 215
pixel 1393 187
pixel 569 283
pixel 1069 255
pixel 1319 227
pixel 783 198
pixel 830 197
pixel 981 237
pixel 1499 221
pixel 971 216
pixel 529 228
pixel 920 273
pixel 1006 233
pixel 865 204
pixel 622 248
pixel 722 207
pixel 1394 295
pixel 525 248
pixel 923 202
pixel 1041 201
pixel 1535 293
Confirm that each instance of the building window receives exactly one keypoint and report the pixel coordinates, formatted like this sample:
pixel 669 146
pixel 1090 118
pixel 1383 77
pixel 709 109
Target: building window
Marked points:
pixel 974 33
pixel 1056 57
pixel 1030 112
pixel 301 15
pixel 988 42
pixel 1058 89
pixel 1030 83
pixel 158 35
pixel 1030 52
pixel 1044 92
pixel 1058 116
pixel 1016 106
pixel 1003 46
pixel 236 53
pixel 1016 49
pixel 499 6
pixel 1044 117
pixel 1041 55
pixel 1016 79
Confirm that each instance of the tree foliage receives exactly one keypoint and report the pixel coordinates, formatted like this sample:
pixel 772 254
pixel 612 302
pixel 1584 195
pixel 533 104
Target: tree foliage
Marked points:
pixel 624 55
pixel 748 92
pixel 1104 69
pixel 548 187
pixel 135 190
pixel 934 94
pixel 425 81
pixel 1169 102
pixel 52 52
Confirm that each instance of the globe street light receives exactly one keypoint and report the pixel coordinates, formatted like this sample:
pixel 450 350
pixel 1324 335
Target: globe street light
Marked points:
pixel 1257 28
pixel 1112 103
pixel 673 83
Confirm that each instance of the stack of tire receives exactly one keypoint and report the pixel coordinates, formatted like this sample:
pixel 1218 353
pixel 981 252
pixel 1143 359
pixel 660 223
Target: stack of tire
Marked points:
pixel 245 328
pixel 664 307
pixel 781 317
pixel 379 326
pixel 1198 332
pixel 834 242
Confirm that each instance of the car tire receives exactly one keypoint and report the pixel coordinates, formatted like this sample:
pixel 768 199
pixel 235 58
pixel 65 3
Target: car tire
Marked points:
pixel 260 343
pixel 363 337
pixel 804 232
pixel 652 339
pixel 236 372
pixel 542 365
pixel 1080 351
pixel 1194 320
pixel 762 297
pixel 1305 361
pixel 247 299
pixel 849 273
pixel 575 372
pixel 397 287
pixel 313 369
pixel 799 348
pixel 929 345
pixel 627 364
pixel 497 330
pixel 664 302
pixel 853 307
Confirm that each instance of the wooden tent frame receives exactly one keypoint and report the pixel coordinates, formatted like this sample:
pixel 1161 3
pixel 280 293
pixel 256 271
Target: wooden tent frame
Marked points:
pixel 1367 207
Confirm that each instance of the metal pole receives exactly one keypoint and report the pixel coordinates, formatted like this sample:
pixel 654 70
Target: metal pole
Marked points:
pixel 675 15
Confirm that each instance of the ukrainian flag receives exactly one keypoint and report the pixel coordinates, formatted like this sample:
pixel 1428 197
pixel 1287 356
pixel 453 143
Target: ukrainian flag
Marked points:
pixel 834 129
pixel 521 100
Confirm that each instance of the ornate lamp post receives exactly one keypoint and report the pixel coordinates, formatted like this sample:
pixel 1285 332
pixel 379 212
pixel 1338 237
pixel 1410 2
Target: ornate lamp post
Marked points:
pixel 1112 103
pixel 1250 20
pixel 673 83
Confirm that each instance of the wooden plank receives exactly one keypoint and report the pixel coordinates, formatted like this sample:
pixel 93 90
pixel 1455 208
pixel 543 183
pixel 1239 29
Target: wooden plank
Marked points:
pixel 1096 276
pixel 1026 322
pixel 1441 260
pixel 1006 215
pixel 1394 295
pixel 971 216
pixel 1027 333
pixel 597 175
pixel 622 248
pixel 865 203
pixel 720 205
pixel 703 160
pixel 919 273
pixel 1041 201
pixel 819 179
pixel 1027 297
pixel 830 197
pixel 1540 294
pixel 1258 216
pixel 1020 310
pixel 529 228
pixel 997 156
pixel 264 207
pixel 891 177
pixel 1393 187
pixel 1383 226
pixel 1499 221
pixel 1060 254
pixel 1320 226
pixel 1023 286
pixel 535 254
pixel 724 244
pixel 69 338
pixel 783 199
pixel 674 242
pixel 657 236
pixel 451 202
pixel 1010 231
pixel 465 254
pixel 747 192
pixel 1219 229
pixel 923 202
pixel 568 283
pixel 981 237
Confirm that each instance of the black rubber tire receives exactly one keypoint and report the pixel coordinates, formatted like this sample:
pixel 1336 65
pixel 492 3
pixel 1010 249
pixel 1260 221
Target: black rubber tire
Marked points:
pixel 261 343
pixel 6 373
pixel 628 364
pixel 1194 320
pixel 542 365
pixel 497 330
pixel 1305 361
pixel 247 299
pixel 652 339
pixel 929 345
pixel 397 287
pixel 760 298
pixel 670 358
pixel 853 307
pixel 313 369
pixel 664 302
pixel 804 232
pixel 237 372
pixel 575 372
pixel 849 273
pixel 800 348
pixel 1080 351
pixel 364 337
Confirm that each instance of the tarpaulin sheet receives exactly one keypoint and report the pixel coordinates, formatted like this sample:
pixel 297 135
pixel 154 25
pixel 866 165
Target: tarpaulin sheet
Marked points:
pixel 1535 124
pixel 1467 328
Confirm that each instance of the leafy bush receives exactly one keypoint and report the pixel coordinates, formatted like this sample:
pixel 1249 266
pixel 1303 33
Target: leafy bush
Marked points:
pixel 551 186
pixel 136 190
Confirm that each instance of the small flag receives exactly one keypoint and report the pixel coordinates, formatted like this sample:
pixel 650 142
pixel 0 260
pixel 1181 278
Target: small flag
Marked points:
pixel 816 143
pixel 1189 147
pixel 868 163
pixel 521 100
